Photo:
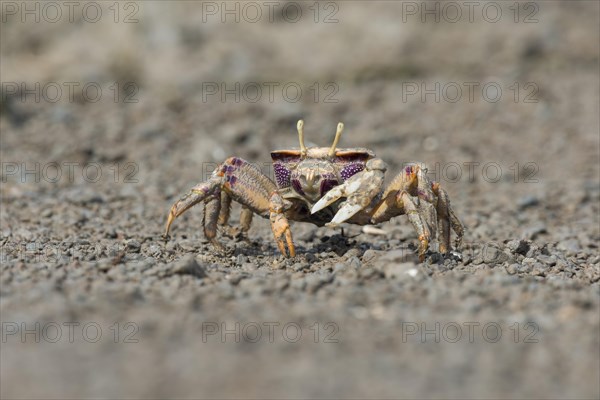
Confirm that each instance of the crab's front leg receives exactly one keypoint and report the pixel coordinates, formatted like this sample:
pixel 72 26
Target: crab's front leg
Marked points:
pixel 359 191
pixel 245 184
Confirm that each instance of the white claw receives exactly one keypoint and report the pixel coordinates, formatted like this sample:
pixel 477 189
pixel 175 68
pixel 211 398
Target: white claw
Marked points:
pixel 326 200
pixel 351 186
pixel 345 213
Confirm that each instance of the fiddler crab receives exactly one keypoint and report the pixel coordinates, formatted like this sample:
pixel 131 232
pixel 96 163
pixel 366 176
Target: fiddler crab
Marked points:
pixel 326 187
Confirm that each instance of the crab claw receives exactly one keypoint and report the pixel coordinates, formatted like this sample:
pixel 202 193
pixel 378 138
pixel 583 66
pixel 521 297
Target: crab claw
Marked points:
pixel 359 191
pixel 283 235
pixel 335 194
pixel 344 213
pixel 280 225
pixel 325 201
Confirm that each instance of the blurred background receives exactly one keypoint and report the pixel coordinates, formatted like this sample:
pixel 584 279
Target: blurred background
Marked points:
pixel 112 110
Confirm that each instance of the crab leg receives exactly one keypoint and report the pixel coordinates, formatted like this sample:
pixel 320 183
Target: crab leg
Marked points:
pixel 432 206
pixel 245 220
pixel 406 202
pixel 245 217
pixel 247 185
pixel 212 208
pixel 407 181
pixel 197 194
pixel 457 227
pixel 225 208
pixel 447 218
pixel 443 221
pixel 359 191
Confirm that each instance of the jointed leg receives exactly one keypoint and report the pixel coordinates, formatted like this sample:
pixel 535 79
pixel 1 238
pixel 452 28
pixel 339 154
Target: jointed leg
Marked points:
pixel 406 202
pixel 431 204
pixel 212 208
pixel 197 194
pixel 443 220
pixel 246 184
pixel 443 207
pixel 225 208
pixel 245 218
pixel 458 228
pixel 280 227
pixel 407 181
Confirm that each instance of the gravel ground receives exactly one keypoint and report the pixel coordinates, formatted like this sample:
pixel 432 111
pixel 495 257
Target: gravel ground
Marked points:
pixel 95 304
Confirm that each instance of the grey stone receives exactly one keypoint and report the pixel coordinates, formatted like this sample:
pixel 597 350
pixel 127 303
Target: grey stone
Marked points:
pixel 513 268
pixel 133 245
pixel 570 246
pixel 371 255
pixel 548 260
pixel 539 269
pixel 527 201
pixel 353 252
pixel 310 257
pixel 492 254
pixel 354 262
pixel 518 246
pixel 339 267
pixel 188 265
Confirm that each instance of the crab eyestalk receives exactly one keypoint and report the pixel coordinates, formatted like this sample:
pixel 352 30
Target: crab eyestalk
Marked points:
pixel 301 137
pixel 338 135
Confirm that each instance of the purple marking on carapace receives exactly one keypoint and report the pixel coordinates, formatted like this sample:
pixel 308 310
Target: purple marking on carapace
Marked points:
pixel 282 175
pixel 351 169
pixel 231 179
pixel 327 185
pixel 237 161
pixel 297 187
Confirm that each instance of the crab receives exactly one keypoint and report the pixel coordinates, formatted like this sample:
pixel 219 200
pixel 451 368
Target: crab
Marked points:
pixel 326 186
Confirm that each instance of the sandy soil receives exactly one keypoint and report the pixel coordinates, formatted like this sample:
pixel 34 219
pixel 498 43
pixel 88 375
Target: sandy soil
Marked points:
pixel 95 304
